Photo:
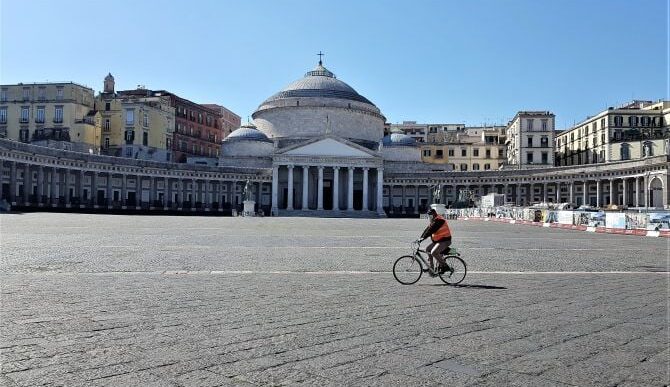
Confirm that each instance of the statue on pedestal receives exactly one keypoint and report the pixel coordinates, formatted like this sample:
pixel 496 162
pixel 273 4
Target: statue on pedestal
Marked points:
pixel 249 202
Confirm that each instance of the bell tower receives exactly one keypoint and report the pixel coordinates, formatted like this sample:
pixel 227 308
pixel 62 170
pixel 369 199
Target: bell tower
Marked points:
pixel 109 84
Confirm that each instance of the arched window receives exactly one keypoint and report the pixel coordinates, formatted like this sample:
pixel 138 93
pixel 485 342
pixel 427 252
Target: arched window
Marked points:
pixel 625 151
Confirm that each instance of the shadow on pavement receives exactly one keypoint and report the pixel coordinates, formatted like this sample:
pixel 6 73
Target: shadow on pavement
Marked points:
pixel 472 286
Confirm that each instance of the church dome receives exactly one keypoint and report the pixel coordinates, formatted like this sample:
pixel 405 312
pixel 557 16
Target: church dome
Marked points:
pixel 320 104
pixel 397 138
pixel 319 82
pixel 247 132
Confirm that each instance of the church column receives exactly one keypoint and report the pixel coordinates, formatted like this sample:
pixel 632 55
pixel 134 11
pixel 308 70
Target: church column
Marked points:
pixel 27 183
pixel 194 193
pixel 517 197
pixel 611 201
pixel 572 193
pixel 380 191
pixel 350 190
pixel 319 201
pixel 275 184
pixel 365 189
pixel 124 189
pixel 336 188
pixel 108 195
pixel 585 193
pixel 40 184
pixel 624 181
pixel 598 193
pixel 305 191
pixel 182 185
pixel 544 193
pixel 637 192
pixel 645 190
pixel 289 202
pixel 402 199
pixel 167 190
pixel 558 192
pixel 416 199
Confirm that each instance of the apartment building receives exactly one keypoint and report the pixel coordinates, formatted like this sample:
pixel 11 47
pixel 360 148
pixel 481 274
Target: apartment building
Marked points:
pixel 467 148
pixel 529 139
pixel 632 131
pixel 54 114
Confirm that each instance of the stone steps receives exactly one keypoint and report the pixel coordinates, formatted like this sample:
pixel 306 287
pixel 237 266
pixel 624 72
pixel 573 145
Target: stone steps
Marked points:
pixel 330 214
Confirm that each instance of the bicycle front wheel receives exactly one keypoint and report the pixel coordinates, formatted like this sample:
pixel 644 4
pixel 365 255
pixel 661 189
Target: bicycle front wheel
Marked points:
pixel 407 270
pixel 456 270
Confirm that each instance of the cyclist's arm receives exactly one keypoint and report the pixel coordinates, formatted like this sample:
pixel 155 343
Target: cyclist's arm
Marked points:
pixel 434 226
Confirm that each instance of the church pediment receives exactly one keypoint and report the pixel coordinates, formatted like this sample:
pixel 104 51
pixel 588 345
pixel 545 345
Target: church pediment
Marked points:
pixel 329 146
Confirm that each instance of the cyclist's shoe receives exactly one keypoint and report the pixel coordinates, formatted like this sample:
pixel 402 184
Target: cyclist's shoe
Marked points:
pixel 445 269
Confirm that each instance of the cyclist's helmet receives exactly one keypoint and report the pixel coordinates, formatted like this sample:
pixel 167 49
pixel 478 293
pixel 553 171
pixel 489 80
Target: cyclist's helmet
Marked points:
pixel 432 212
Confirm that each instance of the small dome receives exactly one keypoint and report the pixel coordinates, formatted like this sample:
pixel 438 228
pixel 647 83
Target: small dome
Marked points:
pixel 397 138
pixel 247 132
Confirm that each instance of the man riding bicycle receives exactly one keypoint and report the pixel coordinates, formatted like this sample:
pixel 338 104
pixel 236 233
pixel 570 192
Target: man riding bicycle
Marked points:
pixel 440 235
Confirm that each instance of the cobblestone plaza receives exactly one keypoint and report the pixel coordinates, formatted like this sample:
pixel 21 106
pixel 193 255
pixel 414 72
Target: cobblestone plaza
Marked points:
pixel 92 300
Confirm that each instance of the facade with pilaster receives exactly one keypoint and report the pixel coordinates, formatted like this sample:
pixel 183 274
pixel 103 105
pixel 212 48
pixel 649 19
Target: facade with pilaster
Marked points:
pixel 530 140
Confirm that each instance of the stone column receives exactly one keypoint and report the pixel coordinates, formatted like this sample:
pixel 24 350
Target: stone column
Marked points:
pixel 52 194
pixel 94 188
pixel 109 189
pixel 66 186
pixel 259 193
pixel 319 193
pixel 637 192
pixel 305 187
pixel 517 197
pixel 206 193
pixel 572 193
pixel 416 199
pixel 624 199
pixel 27 183
pixel 166 192
pixel 40 184
pixel 611 201
pixel 365 190
pixel 380 191
pixel 350 190
pixel 645 191
pixel 585 193
pixel 336 188
pixel 402 199
pixel 80 186
pixel 12 181
pixel 545 197
pixel 275 184
pixel 289 201
pixel 124 189
pixel 598 193
pixel 153 191
pixel 194 193
pixel 558 192
pixel 183 186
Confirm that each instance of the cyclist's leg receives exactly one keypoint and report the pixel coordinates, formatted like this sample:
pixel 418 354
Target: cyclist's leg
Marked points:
pixel 429 248
pixel 441 248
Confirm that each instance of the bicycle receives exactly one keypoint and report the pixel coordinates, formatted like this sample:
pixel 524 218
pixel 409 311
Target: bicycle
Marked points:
pixel 408 269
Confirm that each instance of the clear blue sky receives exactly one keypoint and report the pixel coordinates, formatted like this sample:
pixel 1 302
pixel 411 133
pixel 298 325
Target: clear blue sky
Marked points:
pixel 429 61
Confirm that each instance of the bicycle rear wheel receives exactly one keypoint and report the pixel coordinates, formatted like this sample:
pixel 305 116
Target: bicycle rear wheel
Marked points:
pixel 456 270
pixel 407 270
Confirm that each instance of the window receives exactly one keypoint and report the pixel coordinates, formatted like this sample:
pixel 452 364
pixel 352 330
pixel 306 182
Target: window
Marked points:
pixel 544 142
pixel 3 94
pixel 475 152
pixel 58 114
pixel 618 121
pixel 59 93
pixel 545 157
pixel 487 167
pixel 529 157
pixel 106 143
pixel 488 153
pixel 529 124
pixel 450 152
pixel 145 120
pixel 168 143
pixel 647 149
pixel 107 106
pixel 25 112
pixel 501 153
pixel 439 153
pixel 544 124
pixel 602 138
pixel 464 167
pixel 42 93
pixel 426 152
pixel 530 141
pixel 129 152
pixel 39 117
pixel 23 135
pixel 632 121
pixel 107 125
pixel 130 117
pixel 464 152
pixel 602 156
pixel 3 115
pixel 625 152
pixel 475 167
pixel 129 136
pixel 145 138
pixel 26 93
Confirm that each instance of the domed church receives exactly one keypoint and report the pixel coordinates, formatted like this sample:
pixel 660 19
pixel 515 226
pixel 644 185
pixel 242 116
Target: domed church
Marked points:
pixel 326 143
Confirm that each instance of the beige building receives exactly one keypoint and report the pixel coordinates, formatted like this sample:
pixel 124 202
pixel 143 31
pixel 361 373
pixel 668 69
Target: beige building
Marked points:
pixel 423 132
pixel 135 123
pixel 636 130
pixel 60 115
pixel 530 140
pixel 466 149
